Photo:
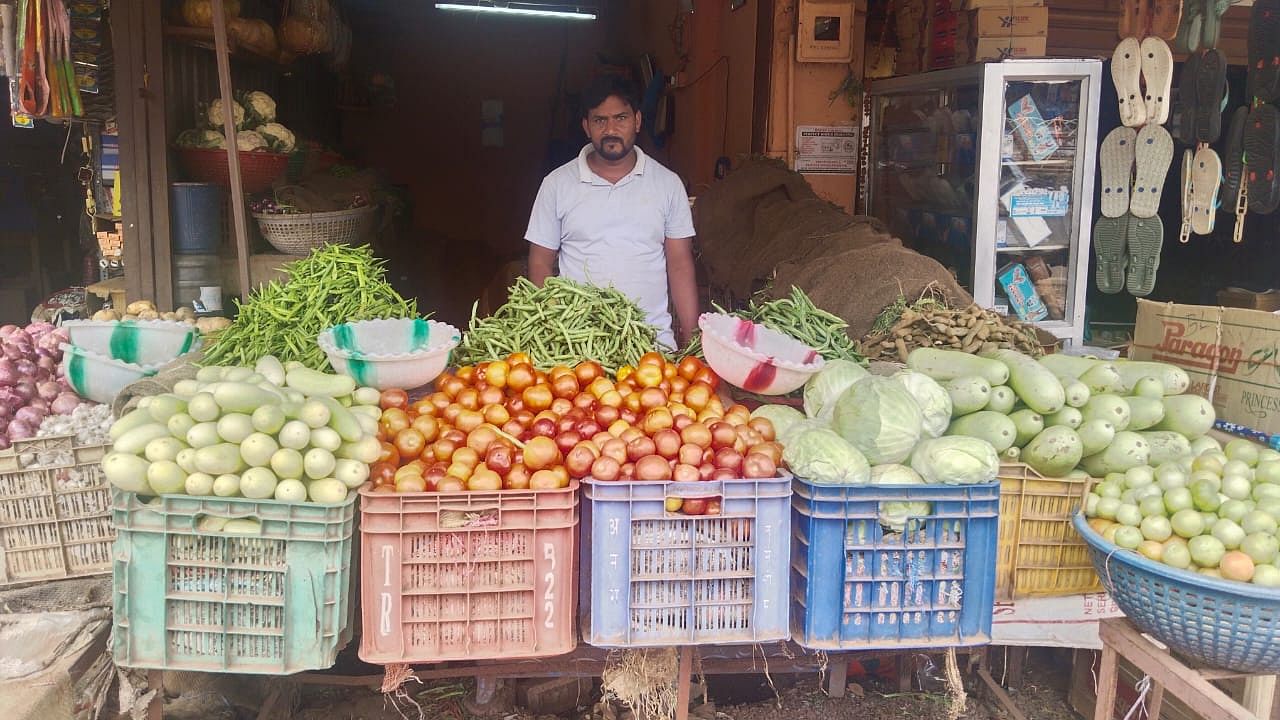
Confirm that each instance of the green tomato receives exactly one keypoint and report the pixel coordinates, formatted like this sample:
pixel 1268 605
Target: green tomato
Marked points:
pixel 1128 514
pixel 1233 510
pixel 1177 499
pixel 1261 547
pixel 1107 508
pixel 1229 533
pixel 1140 476
pixel 1259 521
pixel 1205 496
pixel 1152 507
pixel 1109 489
pixel 1242 450
pixel 1187 523
pixel 1156 527
pixel 1237 487
pixel 1267 472
pixel 1129 537
pixel 1206 551
pixel 1177 556
pixel 1266 576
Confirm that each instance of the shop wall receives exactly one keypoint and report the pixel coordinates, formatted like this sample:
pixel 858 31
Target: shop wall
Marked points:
pixel 800 94
pixel 712 52
pixel 1087 28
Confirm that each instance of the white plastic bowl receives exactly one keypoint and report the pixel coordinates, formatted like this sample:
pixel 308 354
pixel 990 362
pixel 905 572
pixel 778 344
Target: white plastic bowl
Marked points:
pixel 755 358
pixel 98 377
pixel 143 342
pixel 388 354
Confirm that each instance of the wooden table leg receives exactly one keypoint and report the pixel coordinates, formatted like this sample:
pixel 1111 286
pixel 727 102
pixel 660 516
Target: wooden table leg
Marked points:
pixel 155 681
pixel 1259 694
pixel 1106 704
pixel 1014 666
pixel 1157 700
pixel 837 675
pixel 683 679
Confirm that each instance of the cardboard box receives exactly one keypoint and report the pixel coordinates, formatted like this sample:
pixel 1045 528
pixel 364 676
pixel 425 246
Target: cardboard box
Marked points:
pixel 1009 47
pixel 1008 21
pixel 1231 354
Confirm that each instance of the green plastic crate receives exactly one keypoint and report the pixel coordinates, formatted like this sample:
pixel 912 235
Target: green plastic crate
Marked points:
pixel 274 603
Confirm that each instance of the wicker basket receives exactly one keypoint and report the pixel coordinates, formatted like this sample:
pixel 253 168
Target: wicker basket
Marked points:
pixel 298 234
pixel 258 170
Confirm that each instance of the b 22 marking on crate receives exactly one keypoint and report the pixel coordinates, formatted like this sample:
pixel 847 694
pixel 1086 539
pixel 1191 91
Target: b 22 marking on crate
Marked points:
pixel 549 596
pixel 384 612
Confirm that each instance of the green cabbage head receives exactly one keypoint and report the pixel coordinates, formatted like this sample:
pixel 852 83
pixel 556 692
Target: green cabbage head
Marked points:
pixel 934 401
pixel 782 417
pixel 895 513
pixel 956 460
pixel 827 385
pixel 823 457
pixel 880 418
pixel 895 475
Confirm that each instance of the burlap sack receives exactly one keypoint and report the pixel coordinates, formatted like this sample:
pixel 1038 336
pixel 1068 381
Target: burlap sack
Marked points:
pixel 857 284
pixel 162 382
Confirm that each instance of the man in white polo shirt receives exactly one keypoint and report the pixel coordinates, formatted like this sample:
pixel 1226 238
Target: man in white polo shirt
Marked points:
pixel 615 216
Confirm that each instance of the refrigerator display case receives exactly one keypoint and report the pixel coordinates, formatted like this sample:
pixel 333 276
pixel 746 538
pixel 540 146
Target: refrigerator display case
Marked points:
pixel 989 169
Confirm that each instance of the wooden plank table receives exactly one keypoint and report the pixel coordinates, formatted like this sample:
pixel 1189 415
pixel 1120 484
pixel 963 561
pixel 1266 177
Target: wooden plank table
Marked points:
pixel 1193 686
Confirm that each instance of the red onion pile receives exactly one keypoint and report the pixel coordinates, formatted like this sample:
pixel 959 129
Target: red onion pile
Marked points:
pixel 31 382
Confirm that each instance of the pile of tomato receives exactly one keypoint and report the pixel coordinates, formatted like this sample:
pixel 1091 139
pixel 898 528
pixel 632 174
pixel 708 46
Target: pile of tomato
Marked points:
pixel 505 425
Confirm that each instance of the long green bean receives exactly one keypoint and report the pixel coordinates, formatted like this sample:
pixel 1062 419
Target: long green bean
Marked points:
pixel 796 315
pixel 561 323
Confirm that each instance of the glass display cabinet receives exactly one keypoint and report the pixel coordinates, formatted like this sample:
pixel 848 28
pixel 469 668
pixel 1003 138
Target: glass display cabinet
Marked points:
pixel 989 169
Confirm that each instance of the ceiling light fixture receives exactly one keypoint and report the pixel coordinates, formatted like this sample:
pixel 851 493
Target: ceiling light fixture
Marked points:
pixel 564 12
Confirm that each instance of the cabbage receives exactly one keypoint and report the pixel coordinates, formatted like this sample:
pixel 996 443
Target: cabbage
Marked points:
pixel 782 417
pixel 214 114
pixel 895 513
pixel 260 107
pixel 895 475
pixel 934 401
pixel 207 139
pixel 827 385
pixel 250 140
pixel 798 427
pixel 279 138
pixel 880 418
pixel 823 457
pixel 956 460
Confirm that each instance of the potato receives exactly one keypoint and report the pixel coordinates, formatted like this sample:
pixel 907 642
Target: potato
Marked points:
pixel 106 315
pixel 138 306
pixel 148 315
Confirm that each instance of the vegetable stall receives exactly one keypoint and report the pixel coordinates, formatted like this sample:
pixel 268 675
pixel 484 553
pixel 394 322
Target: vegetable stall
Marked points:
pixel 480 452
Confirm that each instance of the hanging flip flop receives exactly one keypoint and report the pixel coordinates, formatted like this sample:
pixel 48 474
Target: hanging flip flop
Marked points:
pixel 1264 50
pixel 1233 158
pixel 1116 158
pixel 1211 95
pixel 1211 29
pixel 1126 71
pixel 1188 37
pixel 1153 152
pixel 1206 180
pixel 1262 166
pixel 1145 239
pixel 1109 239
pixel 1166 15
pixel 1184 233
pixel 1187 99
pixel 1157 76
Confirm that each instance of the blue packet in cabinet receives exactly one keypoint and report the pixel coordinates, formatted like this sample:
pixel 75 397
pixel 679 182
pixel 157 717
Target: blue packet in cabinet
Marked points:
pixel 1022 294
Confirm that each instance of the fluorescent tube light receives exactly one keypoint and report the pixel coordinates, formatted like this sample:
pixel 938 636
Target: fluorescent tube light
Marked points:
pixel 528 12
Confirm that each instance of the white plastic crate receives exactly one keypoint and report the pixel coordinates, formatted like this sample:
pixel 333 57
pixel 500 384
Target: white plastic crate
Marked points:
pixel 55 511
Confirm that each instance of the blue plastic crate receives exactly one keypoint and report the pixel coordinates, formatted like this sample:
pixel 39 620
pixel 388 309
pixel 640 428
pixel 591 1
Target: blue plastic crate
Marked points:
pixel 858 586
pixel 273 603
pixel 655 578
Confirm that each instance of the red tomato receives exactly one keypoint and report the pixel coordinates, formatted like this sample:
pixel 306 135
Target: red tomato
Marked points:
pixel 689 367
pixel 587 371
pixel 652 358
pixel 394 398
pixel 382 473
pixel 389 454
pixel 393 421
pixel 410 443
pixel 706 376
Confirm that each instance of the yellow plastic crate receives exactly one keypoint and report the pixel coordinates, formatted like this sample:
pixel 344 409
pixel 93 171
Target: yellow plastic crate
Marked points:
pixel 1039 553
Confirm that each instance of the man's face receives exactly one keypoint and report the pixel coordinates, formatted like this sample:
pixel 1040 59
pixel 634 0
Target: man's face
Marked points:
pixel 612 126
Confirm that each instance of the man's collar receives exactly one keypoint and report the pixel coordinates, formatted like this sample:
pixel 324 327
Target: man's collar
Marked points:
pixel 586 174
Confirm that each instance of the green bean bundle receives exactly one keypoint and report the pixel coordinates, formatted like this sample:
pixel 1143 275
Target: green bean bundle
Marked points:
pixel 334 284
pixel 798 317
pixel 561 323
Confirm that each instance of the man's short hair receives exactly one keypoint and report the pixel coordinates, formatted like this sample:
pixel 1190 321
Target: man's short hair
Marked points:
pixel 602 87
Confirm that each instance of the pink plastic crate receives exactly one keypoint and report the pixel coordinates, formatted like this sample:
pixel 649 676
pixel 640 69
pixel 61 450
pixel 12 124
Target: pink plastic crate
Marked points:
pixel 468 576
